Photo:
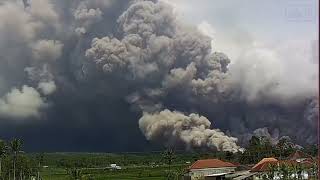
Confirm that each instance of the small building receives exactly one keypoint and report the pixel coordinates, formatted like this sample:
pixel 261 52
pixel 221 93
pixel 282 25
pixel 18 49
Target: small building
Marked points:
pixel 209 169
pixel 115 167
pixel 300 157
pixel 263 165
pixel 270 168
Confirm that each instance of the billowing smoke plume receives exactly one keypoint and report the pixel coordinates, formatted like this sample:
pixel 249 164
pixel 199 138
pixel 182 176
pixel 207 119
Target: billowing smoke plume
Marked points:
pixel 47 50
pixel 23 50
pixel 158 53
pixel 23 103
pixel 192 130
pixel 89 56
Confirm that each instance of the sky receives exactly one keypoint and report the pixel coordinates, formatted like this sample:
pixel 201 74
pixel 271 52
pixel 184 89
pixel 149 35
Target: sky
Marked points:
pixel 264 22
pixel 140 75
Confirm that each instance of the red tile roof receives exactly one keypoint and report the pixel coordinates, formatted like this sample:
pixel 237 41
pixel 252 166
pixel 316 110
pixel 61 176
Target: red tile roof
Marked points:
pixel 264 164
pixel 309 160
pixel 210 163
pixel 307 163
pixel 236 163
pixel 288 162
pixel 263 167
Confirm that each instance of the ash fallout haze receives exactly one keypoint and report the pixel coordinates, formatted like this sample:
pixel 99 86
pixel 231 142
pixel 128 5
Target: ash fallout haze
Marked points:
pixel 134 75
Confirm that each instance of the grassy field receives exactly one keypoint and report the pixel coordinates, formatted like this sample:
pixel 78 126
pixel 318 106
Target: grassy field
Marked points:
pixel 140 166
pixel 132 173
pixel 96 166
pixel 134 166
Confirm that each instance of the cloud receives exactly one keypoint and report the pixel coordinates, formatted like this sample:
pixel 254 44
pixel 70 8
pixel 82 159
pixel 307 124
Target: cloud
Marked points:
pixel 47 50
pixel 138 59
pixel 43 11
pixel 207 29
pixel 86 17
pixel 179 64
pixel 192 130
pixel 162 60
pixel 282 73
pixel 264 70
pixel 47 88
pixel 24 103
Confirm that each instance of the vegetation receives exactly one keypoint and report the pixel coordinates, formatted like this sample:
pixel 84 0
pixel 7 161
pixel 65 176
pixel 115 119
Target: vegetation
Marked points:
pixel 3 152
pixel 168 157
pixel 15 164
pixel 287 171
pixel 260 147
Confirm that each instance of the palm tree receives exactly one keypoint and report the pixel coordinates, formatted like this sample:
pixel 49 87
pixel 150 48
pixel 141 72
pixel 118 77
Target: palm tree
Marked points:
pixel 40 158
pixel 179 173
pixel 15 148
pixel 3 152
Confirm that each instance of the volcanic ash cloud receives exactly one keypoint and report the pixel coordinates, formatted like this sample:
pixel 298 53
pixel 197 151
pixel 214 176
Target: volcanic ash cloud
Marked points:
pixel 24 103
pixel 192 130
pixel 138 53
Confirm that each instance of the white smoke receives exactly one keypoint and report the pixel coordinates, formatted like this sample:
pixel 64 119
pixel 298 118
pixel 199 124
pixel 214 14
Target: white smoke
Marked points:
pixel 43 11
pixel 47 88
pixel 163 55
pixel 85 17
pixel 269 75
pixel 43 77
pixel 47 50
pixel 265 72
pixel 264 132
pixel 24 103
pixel 193 130
pixel 25 46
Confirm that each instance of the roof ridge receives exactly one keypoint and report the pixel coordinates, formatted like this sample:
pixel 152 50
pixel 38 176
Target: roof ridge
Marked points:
pixel 210 163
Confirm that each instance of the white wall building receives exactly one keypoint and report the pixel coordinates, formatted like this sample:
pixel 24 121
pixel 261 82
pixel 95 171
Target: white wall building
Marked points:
pixel 209 169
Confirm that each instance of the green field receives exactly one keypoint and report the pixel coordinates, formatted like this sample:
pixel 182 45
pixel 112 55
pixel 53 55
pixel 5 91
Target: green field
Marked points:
pixel 141 173
pixel 136 166
pixel 142 166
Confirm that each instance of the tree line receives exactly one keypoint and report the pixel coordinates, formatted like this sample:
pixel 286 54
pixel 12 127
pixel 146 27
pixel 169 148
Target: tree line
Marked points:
pixel 14 164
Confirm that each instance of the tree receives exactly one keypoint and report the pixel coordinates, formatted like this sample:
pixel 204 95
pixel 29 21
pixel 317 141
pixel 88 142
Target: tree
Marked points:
pixel 273 168
pixel 258 148
pixel 312 150
pixel 3 152
pixel 285 147
pixel 75 174
pixel 314 170
pixel 39 158
pixel 15 148
pixel 229 156
pixel 254 141
pixel 169 156
pixel 179 173
pixel 284 171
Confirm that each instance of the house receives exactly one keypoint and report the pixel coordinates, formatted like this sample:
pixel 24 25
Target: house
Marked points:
pixel 209 169
pixel 271 168
pixel 300 156
pixel 263 165
pixel 115 167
